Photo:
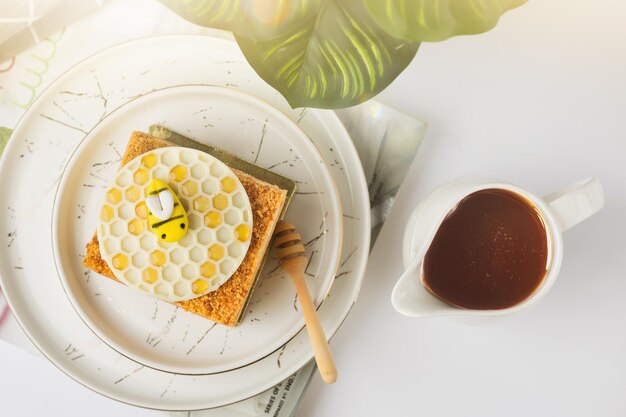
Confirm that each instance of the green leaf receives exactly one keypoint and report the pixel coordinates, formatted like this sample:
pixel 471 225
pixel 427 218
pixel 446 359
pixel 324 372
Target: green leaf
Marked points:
pixel 338 53
pixel 5 133
pixel 255 19
pixel 316 53
pixel 220 14
pixel 437 20
pixel 337 57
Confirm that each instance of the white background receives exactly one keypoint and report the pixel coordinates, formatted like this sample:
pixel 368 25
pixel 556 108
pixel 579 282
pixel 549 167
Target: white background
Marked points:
pixel 540 102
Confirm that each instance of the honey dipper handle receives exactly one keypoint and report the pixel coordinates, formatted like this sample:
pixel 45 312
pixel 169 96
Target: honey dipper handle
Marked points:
pixel 323 355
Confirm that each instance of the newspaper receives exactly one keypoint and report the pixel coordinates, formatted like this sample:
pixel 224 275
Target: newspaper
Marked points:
pixel 386 140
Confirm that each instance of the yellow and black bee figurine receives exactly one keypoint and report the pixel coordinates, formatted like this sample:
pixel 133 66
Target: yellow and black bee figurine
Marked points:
pixel 166 216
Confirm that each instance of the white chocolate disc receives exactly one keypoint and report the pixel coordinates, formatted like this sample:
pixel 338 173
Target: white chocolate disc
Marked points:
pixel 218 236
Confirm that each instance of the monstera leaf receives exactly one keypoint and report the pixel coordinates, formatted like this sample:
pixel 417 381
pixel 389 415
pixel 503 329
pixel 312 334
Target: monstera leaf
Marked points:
pixel 337 53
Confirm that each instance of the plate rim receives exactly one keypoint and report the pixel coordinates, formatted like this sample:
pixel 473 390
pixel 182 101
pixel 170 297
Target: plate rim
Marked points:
pixel 358 270
pixel 56 219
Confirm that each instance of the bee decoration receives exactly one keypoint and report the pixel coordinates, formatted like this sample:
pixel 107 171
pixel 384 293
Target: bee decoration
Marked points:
pixel 166 216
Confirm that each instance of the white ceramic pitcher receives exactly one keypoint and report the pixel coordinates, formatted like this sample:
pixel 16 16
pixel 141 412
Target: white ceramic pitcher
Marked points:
pixel 560 211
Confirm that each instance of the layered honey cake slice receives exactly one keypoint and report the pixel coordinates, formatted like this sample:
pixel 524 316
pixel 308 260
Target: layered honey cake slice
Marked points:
pixel 227 303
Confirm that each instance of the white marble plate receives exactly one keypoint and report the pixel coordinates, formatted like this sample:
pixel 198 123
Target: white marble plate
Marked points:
pixel 31 167
pixel 155 333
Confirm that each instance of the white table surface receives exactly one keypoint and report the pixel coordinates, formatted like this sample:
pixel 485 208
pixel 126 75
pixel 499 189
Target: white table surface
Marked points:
pixel 539 101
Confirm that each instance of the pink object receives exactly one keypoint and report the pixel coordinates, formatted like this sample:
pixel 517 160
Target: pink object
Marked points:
pixel 5 311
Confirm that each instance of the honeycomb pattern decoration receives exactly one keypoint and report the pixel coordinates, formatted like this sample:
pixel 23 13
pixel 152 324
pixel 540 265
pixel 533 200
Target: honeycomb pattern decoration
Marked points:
pixel 220 225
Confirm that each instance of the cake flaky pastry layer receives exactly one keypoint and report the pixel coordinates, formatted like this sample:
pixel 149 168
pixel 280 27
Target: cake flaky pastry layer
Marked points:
pixel 226 304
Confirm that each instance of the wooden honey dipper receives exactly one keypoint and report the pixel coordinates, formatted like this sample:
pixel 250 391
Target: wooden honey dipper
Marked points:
pixel 290 253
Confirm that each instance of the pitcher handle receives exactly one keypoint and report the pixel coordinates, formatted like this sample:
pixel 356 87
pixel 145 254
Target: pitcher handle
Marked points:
pixel 576 202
